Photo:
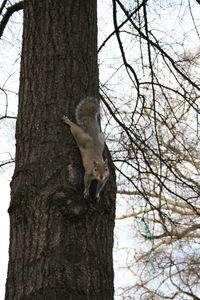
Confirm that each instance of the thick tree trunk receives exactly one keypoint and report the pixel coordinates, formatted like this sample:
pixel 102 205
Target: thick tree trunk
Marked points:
pixel 60 247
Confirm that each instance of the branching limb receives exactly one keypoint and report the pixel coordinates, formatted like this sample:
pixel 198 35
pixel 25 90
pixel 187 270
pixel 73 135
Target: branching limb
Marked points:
pixel 121 25
pixel 157 46
pixel 10 11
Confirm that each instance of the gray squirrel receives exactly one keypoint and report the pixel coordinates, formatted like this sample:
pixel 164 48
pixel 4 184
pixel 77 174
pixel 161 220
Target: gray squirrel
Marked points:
pixel 90 142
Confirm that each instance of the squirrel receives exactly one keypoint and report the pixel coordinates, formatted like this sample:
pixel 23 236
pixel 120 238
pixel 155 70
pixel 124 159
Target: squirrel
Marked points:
pixel 90 142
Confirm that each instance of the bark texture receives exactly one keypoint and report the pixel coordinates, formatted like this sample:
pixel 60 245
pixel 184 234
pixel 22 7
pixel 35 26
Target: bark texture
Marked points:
pixel 60 246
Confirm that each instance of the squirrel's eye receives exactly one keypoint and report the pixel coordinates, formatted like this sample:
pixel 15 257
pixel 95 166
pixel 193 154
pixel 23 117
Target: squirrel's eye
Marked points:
pixel 95 169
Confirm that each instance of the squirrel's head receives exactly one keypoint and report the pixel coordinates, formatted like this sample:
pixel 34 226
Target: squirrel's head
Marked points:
pixel 100 170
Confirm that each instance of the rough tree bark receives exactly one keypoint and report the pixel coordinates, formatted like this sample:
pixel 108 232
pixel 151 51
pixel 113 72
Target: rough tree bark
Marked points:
pixel 60 246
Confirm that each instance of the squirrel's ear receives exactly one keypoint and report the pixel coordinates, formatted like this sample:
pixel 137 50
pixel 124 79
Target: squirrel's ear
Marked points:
pixel 94 162
pixel 106 162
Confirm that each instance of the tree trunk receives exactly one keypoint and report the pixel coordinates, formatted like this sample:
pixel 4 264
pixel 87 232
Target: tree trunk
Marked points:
pixel 60 245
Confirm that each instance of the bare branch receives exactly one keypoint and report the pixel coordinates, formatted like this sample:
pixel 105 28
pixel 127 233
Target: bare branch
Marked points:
pixel 7 163
pixel 10 11
pixel 2 6
pixel 7 117
pixel 121 25
pixel 157 46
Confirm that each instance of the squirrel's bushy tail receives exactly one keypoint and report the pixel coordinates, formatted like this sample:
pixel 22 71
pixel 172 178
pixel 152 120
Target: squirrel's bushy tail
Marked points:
pixel 87 110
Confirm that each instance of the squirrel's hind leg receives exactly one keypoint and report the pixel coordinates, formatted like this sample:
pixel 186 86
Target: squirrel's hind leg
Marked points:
pixel 67 121
pixel 81 137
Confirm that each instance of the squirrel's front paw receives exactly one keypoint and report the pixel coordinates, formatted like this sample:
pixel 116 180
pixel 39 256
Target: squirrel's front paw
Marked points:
pixel 97 197
pixel 86 194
